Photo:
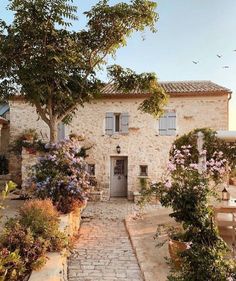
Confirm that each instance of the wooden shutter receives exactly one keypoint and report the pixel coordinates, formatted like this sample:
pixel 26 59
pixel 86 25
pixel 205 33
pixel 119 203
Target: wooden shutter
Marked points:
pixel 163 125
pixel 171 123
pixel 124 122
pixel 61 131
pixel 109 124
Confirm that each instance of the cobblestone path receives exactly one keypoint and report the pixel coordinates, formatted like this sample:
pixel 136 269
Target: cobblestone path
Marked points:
pixel 103 251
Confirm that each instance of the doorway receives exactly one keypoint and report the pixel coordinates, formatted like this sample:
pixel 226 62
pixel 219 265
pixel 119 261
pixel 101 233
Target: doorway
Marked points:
pixel 119 175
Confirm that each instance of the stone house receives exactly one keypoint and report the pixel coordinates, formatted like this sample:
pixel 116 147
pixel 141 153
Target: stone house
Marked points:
pixel 128 145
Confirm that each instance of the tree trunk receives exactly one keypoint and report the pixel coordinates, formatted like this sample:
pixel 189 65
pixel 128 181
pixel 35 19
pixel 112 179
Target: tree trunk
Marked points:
pixel 53 131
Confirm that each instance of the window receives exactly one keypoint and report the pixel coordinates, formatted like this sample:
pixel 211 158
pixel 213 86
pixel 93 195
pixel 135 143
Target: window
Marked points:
pixel 167 124
pixel 91 169
pixel 119 168
pixel 61 131
pixel 116 123
pixel 143 170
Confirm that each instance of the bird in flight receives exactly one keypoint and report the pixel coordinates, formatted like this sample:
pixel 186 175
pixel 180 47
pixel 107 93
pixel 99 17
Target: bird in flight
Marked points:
pixel 225 66
pixel 195 62
pixel 219 56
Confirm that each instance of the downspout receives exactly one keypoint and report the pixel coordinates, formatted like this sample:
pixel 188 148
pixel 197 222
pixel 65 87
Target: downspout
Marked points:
pixel 229 98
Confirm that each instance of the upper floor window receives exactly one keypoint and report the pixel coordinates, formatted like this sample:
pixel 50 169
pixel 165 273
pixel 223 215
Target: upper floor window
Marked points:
pixel 167 124
pixel 61 131
pixel 117 123
pixel 117 120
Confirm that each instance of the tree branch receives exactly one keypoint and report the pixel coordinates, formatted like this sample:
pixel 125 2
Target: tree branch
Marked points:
pixel 42 113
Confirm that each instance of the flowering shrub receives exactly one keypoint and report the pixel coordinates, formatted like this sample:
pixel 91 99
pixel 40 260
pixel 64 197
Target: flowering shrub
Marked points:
pixel 61 176
pixel 43 220
pixel 186 188
pixel 26 238
pixel 30 252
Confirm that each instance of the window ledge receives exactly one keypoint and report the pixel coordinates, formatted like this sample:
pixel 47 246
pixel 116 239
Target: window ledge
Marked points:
pixel 143 177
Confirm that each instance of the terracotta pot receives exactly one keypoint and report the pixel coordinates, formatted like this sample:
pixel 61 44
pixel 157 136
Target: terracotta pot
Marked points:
pixel 31 150
pixel 175 248
pixel 28 137
pixel 232 181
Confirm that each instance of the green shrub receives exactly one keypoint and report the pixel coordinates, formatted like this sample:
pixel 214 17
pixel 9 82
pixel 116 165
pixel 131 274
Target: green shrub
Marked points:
pixel 11 265
pixel 26 239
pixel 43 220
pixel 30 251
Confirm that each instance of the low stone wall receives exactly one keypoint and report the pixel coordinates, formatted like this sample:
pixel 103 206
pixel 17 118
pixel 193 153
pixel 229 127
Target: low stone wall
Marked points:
pixel 29 158
pixel 56 266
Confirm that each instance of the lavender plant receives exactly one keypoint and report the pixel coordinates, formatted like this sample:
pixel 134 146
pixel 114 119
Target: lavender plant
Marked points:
pixel 61 176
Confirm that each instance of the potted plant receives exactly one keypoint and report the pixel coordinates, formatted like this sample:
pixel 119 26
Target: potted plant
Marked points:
pixel 174 236
pixel 29 135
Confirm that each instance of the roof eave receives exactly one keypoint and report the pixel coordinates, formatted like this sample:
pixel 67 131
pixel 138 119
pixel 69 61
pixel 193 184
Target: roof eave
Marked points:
pixel 3 121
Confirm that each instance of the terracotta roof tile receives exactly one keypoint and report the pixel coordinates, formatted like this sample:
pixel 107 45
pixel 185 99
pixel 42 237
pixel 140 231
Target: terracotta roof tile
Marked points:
pixel 175 87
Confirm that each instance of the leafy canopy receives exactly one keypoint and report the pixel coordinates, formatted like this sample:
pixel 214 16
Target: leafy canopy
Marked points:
pixel 55 68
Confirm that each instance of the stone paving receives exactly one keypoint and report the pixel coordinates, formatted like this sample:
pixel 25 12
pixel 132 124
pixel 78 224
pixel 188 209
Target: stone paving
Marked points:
pixel 103 250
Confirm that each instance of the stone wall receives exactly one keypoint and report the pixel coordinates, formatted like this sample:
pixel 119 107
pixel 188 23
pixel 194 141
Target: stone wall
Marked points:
pixel 29 158
pixel 143 145
pixel 4 140
pixel 23 117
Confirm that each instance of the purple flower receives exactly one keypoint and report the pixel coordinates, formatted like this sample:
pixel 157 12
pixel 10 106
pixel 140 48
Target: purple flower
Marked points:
pixel 167 184
pixel 171 167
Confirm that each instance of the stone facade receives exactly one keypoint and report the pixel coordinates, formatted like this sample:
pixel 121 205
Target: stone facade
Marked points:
pixel 142 145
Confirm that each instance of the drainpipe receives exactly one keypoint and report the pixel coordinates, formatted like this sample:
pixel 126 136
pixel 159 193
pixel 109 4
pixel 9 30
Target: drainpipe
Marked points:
pixel 1 137
pixel 229 98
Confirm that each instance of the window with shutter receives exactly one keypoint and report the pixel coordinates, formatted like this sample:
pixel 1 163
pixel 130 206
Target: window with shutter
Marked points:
pixel 171 123
pixel 124 123
pixel 163 125
pixel 61 131
pixel 109 123
pixel 117 122
pixel 167 124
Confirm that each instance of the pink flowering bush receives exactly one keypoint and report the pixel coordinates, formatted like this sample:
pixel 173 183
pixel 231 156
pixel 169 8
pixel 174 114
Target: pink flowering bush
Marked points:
pixel 61 176
pixel 186 188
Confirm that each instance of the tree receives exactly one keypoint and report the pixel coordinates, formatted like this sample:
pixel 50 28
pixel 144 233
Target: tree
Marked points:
pixel 55 69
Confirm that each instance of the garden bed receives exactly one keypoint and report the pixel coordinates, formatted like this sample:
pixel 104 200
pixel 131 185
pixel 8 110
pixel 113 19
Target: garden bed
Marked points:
pixel 56 266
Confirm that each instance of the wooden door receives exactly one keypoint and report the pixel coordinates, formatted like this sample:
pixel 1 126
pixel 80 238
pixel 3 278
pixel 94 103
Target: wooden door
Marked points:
pixel 119 177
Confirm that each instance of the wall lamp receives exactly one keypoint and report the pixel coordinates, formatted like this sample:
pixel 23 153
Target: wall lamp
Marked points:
pixel 118 149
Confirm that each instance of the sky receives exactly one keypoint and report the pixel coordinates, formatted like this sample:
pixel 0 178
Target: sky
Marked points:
pixel 188 30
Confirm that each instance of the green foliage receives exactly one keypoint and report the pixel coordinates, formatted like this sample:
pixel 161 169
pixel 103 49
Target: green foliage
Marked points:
pixel 143 183
pixel 127 80
pixel 11 265
pixel 211 144
pixel 9 187
pixel 26 238
pixel 32 250
pixel 55 69
pixel 187 190
pixel 29 140
pixel 203 262
pixel 43 220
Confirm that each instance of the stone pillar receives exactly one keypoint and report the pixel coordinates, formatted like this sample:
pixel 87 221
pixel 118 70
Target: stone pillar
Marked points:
pixel 202 156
